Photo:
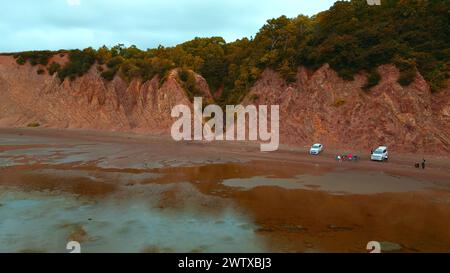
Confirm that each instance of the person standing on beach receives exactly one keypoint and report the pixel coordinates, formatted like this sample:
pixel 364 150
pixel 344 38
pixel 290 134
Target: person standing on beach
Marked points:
pixel 423 164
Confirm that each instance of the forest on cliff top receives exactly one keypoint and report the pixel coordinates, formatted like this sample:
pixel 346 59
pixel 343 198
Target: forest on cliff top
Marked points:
pixel 351 37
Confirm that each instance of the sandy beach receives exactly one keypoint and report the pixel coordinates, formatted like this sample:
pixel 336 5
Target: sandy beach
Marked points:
pixel 119 192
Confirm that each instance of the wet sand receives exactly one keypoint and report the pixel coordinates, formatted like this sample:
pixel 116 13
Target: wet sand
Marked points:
pixel 116 192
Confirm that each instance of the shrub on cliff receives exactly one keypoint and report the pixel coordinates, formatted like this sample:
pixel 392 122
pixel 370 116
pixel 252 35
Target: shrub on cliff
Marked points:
pixel 34 57
pixel 115 62
pixel 109 74
pixel 80 61
pixel 20 60
pixel 407 69
pixel 54 68
pixel 33 124
pixel 372 80
pixel 189 83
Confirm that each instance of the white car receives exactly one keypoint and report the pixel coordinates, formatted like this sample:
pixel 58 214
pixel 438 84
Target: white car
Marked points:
pixel 316 149
pixel 380 154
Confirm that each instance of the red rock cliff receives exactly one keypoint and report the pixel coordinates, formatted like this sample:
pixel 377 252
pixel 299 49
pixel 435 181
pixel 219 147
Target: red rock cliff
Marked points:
pixel 322 107
pixel 319 107
pixel 89 102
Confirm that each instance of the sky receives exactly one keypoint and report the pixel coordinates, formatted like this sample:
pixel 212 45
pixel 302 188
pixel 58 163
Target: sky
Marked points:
pixel 69 24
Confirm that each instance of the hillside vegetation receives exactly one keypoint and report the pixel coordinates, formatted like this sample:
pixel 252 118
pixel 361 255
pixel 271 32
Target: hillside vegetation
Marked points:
pixel 351 36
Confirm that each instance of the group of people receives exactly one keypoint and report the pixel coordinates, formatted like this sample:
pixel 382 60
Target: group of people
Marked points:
pixel 351 157
pixel 419 164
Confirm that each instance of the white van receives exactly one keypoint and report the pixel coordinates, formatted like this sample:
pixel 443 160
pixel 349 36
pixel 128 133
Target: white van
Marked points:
pixel 380 154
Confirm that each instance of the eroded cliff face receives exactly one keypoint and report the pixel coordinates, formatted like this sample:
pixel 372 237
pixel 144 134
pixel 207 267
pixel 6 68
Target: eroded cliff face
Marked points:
pixel 89 102
pixel 319 107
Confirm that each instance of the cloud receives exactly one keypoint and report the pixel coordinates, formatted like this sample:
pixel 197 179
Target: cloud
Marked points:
pixel 38 25
pixel 72 3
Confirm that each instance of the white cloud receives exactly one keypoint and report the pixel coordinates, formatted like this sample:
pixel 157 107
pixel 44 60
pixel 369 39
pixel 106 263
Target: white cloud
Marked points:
pixel 72 3
pixel 49 25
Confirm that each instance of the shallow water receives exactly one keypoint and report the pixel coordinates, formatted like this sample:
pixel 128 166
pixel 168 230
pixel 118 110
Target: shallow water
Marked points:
pixel 5 162
pixel 336 183
pixel 249 207
pixel 45 222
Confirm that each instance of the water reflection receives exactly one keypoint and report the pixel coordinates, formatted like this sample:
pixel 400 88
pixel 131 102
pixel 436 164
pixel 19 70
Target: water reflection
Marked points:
pixel 45 222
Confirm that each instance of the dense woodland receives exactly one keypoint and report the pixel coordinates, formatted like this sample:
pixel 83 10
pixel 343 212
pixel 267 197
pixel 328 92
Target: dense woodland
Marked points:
pixel 351 36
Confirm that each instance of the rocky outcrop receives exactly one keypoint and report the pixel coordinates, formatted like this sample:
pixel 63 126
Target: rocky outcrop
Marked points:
pixel 88 102
pixel 322 107
pixel 319 107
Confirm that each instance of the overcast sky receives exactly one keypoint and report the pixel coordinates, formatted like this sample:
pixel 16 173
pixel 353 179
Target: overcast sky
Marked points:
pixel 67 24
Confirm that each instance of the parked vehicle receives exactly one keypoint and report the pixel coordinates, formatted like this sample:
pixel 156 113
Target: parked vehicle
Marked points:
pixel 316 149
pixel 380 154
